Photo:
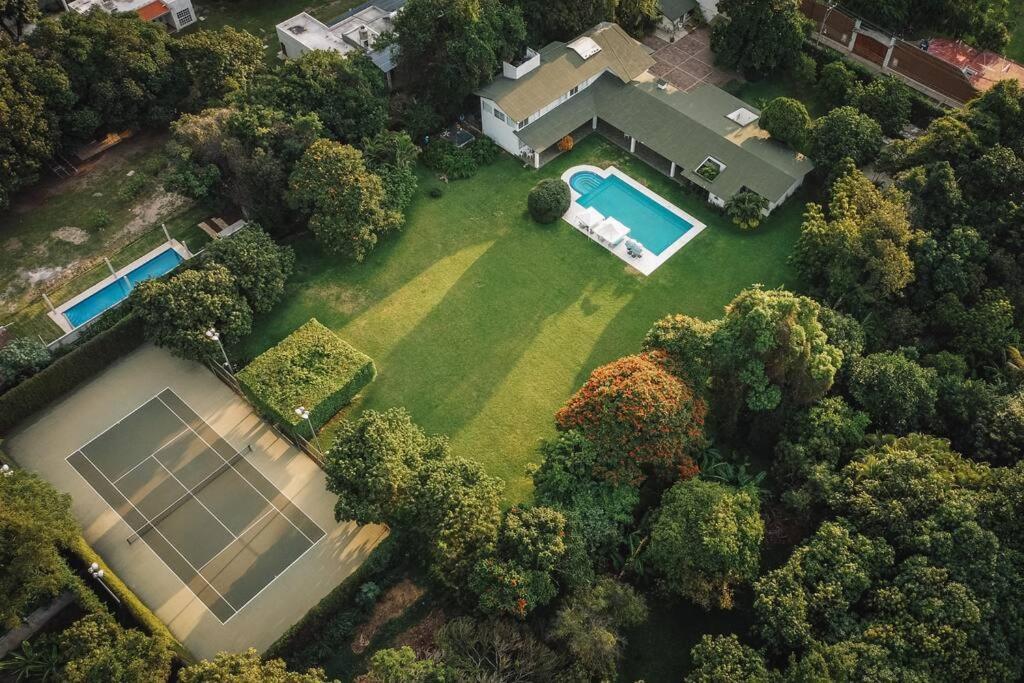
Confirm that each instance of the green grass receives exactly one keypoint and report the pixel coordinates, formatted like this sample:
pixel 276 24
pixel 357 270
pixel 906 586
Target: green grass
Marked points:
pixel 760 93
pixel 482 322
pixel 1015 50
pixel 259 17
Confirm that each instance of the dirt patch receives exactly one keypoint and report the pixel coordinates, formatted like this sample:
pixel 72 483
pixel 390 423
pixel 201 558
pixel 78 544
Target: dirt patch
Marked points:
pixel 152 209
pixel 37 276
pixel 70 234
pixel 422 636
pixel 396 600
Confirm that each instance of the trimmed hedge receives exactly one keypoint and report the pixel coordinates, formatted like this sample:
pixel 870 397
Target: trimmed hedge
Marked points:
pixel 141 614
pixel 70 370
pixel 312 367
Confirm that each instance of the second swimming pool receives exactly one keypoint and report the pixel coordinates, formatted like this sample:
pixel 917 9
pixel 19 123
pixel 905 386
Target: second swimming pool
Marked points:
pixel 118 290
pixel 649 223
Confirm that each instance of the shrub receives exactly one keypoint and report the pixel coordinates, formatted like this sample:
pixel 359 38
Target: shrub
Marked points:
pixel 745 209
pixel 69 371
pixel 313 368
pixel 548 200
pixel 449 160
pixel 566 144
pixel 131 187
pixel 259 265
pixel 436 192
pixel 20 359
pixel 97 219
pixel 484 151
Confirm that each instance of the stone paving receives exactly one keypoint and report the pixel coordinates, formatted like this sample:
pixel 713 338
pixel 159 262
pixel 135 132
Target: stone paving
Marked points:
pixel 688 62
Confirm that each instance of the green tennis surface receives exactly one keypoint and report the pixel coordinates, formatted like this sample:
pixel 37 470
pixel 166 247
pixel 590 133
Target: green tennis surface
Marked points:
pixel 213 518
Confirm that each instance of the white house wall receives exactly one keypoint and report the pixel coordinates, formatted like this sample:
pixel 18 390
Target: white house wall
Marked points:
pixel 293 49
pixel 503 134
pixel 182 13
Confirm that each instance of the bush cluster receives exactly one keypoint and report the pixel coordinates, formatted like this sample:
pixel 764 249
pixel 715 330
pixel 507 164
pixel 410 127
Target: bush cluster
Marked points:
pixel 313 368
pixel 457 163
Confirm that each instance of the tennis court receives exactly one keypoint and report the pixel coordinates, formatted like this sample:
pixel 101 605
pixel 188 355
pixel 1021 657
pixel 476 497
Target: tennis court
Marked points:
pixel 205 510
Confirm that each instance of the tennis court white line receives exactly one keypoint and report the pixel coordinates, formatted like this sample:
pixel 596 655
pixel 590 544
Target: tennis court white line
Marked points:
pixel 279 574
pixel 196 499
pixel 148 521
pixel 251 526
pixel 258 492
pixel 151 455
pixel 134 410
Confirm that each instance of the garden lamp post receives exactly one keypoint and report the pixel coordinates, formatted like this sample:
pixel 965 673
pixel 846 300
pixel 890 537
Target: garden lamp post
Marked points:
pixel 304 414
pixel 97 573
pixel 6 471
pixel 212 335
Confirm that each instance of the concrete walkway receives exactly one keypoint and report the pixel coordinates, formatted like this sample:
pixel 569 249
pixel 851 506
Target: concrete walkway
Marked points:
pixel 35 621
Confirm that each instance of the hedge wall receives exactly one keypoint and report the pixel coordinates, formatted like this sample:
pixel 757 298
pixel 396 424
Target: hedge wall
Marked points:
pixel 312 367
pixel 69 371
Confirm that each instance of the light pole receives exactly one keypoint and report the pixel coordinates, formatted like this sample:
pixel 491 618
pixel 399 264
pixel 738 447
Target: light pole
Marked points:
pixel 304 414
pixel 212 335
pixel 97 573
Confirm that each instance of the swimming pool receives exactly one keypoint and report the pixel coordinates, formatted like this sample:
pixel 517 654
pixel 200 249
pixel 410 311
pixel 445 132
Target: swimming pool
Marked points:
pixel 118 290
pixel 649 222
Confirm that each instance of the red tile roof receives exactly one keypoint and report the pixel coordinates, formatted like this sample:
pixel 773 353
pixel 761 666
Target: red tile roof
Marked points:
pixel 152 11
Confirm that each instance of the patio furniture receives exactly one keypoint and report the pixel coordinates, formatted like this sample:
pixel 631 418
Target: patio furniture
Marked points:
pixel 589 219
pixel 611 232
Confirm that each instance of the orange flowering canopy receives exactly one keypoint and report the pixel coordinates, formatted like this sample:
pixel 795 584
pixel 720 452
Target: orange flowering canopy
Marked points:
pixel 637 414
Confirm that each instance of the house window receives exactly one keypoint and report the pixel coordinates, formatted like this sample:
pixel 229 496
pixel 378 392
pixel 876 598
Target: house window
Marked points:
pixel 184 16
pixel 522 124
pixel 575 89
pixel 488 108
pixel 498 114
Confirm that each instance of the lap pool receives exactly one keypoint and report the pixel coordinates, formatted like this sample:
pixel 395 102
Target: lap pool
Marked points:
pixel 117 291
pixel 650 222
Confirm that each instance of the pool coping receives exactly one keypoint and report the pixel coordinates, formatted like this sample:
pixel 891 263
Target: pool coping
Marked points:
pixel 650 261
pixel 57 314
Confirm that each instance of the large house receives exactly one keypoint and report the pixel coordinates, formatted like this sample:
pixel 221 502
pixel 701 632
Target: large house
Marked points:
pixel 600 81
pixel 355 31
pixel 175 14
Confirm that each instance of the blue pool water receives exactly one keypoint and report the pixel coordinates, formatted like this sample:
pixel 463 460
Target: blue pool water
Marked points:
pixel 649 223
pixel 117 291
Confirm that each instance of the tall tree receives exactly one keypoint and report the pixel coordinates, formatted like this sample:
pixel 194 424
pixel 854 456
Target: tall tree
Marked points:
pixel 96 648
pixel 859 253
pixel 449 48
pixel 35 524
pixel 218 62
pixel 563 19
pixel 177 312
pixel 638 415
pixel 346 203
pixel 706 540
pixel 34 93
pixel 16 15
pixel 347 92
pixel 246 666
pixel 758 37
pixel 844 133
pixel 769 354
pixel 121 69
pixel 260 266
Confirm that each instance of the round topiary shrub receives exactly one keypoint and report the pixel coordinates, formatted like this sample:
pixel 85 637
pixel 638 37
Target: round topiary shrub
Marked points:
pixel 548 200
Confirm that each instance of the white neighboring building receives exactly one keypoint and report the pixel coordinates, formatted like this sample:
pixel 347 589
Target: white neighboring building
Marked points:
pixel 355 31
pixel 176 14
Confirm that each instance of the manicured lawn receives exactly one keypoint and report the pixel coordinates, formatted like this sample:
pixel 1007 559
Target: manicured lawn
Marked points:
pixel 482 323
pixel 760 93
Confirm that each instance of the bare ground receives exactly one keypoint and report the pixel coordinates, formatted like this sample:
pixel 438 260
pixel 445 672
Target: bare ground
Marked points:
pixel 395 600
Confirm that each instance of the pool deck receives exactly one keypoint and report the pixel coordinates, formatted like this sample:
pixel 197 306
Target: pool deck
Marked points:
pixel 57 314
pixel 649 261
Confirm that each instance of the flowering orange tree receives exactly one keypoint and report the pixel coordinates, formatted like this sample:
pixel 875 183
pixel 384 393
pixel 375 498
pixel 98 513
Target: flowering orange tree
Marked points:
pixel 566 144
pixel 637 414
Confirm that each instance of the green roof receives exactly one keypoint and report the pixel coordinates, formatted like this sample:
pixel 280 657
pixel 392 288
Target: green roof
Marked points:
pixel 561 69
pixel 674 9
pixel 686 128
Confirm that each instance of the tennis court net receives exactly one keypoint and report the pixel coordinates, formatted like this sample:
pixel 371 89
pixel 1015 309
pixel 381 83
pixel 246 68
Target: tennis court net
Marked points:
pixel 191 493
